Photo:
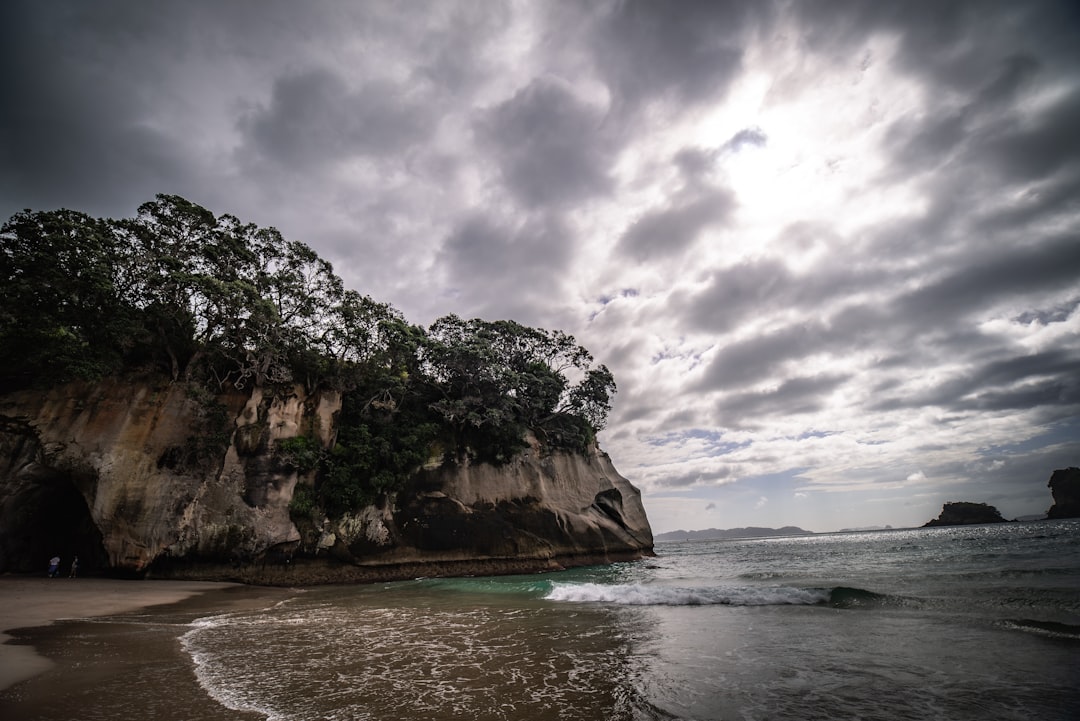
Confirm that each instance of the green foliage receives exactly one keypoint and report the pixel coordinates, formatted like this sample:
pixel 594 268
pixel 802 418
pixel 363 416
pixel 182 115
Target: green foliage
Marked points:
pixel 502 373
pixel 63 311
pixel 304 503
pixel 570 433
pixel 376 453
pixel 300 453
pixel 215 302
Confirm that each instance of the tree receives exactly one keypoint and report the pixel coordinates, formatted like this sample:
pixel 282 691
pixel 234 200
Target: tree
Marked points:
pixel 62 314
pixel 216 302
pixel 502 378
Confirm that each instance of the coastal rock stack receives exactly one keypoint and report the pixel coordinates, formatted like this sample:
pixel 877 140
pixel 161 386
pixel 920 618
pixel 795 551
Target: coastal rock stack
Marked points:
pixel 1065 486
pixel 144 477
pixel 963 513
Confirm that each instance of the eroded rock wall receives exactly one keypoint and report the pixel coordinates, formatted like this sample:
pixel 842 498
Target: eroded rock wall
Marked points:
pixel 164 470
pixel 143 475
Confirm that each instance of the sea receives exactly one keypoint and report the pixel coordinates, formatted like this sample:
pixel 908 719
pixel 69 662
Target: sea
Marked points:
pixel 954 623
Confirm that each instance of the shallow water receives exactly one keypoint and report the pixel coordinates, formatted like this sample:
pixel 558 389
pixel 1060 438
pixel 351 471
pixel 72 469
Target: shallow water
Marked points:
pixel 971 623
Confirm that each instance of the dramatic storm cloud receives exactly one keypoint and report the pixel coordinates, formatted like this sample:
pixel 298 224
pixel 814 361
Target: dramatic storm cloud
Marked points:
pixel 830 249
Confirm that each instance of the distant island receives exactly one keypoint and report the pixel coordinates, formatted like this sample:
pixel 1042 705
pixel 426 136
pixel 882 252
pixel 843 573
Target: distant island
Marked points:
pixel 713 534
pixel 866 528
pixel 963 513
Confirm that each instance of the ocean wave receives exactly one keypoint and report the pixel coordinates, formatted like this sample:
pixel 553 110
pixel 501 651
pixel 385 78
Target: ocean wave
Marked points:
pixel 1049 629
pixel 208 671
pixel 845 597
pixel 648 595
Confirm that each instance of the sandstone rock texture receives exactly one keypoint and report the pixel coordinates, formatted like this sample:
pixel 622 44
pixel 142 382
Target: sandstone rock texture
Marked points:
pixel 145 477
pixel 1065 486
pixel 964 512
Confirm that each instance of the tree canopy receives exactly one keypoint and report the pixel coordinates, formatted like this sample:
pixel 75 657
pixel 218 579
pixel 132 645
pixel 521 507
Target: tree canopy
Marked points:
pixel 213 301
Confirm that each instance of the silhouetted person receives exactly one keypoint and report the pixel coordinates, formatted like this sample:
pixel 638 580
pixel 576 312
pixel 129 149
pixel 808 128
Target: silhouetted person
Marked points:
pixel 54 566
pixel 74 568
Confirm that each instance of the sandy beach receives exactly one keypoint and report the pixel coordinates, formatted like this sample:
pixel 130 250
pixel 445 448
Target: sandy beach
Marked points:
pixel 31 661
pixel 28 602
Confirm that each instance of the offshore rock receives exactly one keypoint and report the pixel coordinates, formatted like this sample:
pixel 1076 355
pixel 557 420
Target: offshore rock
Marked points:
pixel 142 476
pixel 1065 486
pixel 964 512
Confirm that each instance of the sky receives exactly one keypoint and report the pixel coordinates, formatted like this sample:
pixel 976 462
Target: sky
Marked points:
pixel 829 249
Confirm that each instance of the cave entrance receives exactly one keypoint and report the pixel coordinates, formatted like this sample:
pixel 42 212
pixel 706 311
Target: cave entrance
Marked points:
pixel 49 518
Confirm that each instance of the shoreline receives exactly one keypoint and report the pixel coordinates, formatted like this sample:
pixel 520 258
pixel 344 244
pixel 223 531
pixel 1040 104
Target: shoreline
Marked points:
pixel 31 602
pixel 36 612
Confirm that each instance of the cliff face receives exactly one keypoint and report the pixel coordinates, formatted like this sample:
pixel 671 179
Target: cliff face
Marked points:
pixel 144 476
pixel 1065 487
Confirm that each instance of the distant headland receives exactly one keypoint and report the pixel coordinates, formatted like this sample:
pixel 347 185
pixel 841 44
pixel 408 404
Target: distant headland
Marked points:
pixel 713 534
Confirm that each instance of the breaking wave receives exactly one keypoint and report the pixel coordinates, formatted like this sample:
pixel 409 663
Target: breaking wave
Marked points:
pixel 650 595
pixel 1048 629
pixel 646 595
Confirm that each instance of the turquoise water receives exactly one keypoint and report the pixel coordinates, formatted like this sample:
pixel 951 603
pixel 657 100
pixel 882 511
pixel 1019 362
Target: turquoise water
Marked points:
pixel 962 623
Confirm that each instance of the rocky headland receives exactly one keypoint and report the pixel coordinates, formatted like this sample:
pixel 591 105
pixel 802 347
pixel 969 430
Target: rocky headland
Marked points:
pixel 710 534
pixel 186 395
pixel 132 476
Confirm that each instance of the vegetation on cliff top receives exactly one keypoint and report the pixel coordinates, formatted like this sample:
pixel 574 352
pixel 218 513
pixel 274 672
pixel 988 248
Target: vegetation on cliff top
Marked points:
pixel 218 303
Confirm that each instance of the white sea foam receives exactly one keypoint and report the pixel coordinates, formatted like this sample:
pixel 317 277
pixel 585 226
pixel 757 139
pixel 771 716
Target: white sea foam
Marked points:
pixel 648 595
pixel 211 681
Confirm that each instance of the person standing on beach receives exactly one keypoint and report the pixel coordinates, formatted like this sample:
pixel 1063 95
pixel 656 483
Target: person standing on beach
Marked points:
pixel 54 566
pixel 74 567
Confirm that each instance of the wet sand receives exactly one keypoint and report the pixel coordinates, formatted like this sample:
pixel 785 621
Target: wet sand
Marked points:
pixel 101 648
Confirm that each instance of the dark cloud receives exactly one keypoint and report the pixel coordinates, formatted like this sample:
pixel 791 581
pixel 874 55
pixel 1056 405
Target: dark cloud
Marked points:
pixel 734 293
pixel 761 357
pixel 991 278
pixel 1016 73
pixel 1013 383
pixel 690 54
pixel 506 268
pixel 1036 150
pixel 931 324
pixel 314 117
pixel 949 44
pixel 70 135
pixel 696 163
pixel 1013 148
pixel 758 287
pixel 693 477
pixel 1056 313
pixel 798 395
pixel 924 144
pixel 549 144
pixel 697 205
pixel 670 231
